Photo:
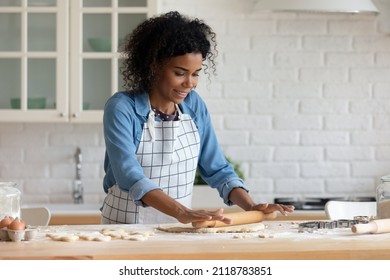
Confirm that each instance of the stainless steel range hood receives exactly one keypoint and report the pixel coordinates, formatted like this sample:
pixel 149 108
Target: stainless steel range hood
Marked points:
pixel 319 6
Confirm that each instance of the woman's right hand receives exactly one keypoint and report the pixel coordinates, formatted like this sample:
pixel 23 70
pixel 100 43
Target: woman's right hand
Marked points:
pixel 166 204
pixel 191 216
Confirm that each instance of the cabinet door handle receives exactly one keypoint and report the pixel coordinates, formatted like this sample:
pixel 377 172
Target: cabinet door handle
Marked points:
pixel 75 115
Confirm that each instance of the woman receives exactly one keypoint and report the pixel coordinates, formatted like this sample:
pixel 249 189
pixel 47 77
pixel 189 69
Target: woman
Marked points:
pixel 159 131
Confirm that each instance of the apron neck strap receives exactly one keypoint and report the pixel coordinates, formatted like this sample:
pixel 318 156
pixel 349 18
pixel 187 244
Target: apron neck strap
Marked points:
pixel 151 117
pixel 151 120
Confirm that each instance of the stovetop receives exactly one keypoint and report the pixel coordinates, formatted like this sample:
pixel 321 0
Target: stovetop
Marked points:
pixel 310 203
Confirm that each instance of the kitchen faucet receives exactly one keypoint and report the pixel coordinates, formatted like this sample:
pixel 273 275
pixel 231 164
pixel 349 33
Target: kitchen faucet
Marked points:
pixel 78 186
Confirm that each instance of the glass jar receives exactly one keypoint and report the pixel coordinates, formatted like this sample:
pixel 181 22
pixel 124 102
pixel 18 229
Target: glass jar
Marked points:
pixel 9 200
pixel 383 198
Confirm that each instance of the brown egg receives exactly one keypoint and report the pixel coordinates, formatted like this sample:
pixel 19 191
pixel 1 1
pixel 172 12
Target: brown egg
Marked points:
pixel 6 221
pixel 17 224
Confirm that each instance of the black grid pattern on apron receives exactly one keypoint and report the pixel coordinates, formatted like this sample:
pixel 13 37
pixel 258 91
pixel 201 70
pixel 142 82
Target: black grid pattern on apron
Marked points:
pixel 170 162
pixel 122 211
pixel 178 171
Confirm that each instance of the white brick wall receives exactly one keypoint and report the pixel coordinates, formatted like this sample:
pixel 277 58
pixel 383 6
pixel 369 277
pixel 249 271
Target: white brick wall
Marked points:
pixel 301 100
pixel 41 158
pixel 309 110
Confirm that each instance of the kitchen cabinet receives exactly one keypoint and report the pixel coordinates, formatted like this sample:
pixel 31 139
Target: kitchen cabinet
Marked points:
pixel 75 219
pixel 59 59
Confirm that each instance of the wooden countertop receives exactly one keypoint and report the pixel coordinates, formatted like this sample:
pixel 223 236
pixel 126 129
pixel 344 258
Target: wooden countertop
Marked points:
pixel 75 219
pixel 280 240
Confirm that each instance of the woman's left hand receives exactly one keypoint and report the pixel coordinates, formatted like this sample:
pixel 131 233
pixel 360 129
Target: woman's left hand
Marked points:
pixel 269 208
pixel 241 198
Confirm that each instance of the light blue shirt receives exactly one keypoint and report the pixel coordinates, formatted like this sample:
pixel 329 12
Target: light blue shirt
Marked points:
pixel 123 121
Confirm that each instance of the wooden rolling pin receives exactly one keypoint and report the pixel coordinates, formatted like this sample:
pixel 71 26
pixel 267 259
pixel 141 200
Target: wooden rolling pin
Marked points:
pixel 238 218
pixel 375 226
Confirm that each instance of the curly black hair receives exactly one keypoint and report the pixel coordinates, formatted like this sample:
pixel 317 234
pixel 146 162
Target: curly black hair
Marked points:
pixel 159 38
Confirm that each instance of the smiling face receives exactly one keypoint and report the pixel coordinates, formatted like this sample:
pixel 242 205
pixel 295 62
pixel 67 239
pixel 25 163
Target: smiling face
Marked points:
pixel 176 79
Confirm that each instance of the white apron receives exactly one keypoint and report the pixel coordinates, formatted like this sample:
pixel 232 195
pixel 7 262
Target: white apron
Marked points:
pixel 168 154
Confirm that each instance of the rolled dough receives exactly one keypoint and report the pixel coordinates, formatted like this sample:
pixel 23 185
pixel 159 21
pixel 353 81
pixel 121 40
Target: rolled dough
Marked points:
pixel 180 228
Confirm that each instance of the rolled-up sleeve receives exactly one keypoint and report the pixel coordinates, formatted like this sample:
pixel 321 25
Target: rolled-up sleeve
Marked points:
pixel 213 166
pixel 121 164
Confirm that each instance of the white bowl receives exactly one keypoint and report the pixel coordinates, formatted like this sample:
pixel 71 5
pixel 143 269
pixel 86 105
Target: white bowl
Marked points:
pixel 69 208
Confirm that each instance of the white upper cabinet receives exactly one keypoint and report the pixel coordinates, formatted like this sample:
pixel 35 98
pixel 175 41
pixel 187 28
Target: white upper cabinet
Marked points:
pixel 59 59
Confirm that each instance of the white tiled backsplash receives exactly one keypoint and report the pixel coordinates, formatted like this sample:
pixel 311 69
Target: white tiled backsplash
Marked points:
pixel 301 101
